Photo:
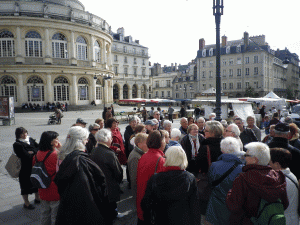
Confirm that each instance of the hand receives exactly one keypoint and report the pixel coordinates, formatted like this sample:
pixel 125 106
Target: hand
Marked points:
pixel 118 150
pixel 30 152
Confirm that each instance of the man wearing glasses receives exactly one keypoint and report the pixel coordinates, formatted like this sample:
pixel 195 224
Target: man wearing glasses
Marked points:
pixel 233 131
pixel 157 116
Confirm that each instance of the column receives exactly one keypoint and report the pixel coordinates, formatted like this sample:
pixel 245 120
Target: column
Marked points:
pixel 19 57
pixel 103 55
pixel 49 90
pixel 93 91
pixel 72 50
pixel 139 92
pixel 129 92
pixel 91 52
pixel 74 91
pixel 121 92
pixel 48 58
pixel 21 94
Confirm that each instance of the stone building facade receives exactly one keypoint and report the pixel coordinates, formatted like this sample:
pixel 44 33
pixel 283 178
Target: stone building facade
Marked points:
pixel 130 62
pixel 249 67
pixel 54 51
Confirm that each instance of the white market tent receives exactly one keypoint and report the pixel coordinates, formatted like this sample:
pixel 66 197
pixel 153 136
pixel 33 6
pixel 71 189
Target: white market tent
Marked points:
pixel 272 95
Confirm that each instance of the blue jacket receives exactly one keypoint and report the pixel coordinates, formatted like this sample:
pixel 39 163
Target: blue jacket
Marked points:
pixel 217 212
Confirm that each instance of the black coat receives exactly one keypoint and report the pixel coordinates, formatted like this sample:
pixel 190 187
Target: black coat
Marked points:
pixel 107 160
pixel 215 152
pixel 21 149
pixel 187 147
pixel 295 143
pixel 82 189
pixel 278 142
pixel 176 195
pixel 91 143
pixel 247 136
pixel 127 134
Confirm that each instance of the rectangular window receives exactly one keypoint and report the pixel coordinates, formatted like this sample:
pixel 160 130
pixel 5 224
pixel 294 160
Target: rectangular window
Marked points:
pixel 256 59
pixel 239 85
pixel 143 72
pixel 162 94
pixel 176 87
pixel 255 84
pixel 230 72
pixel 247 60
pixel 230 85
pixel 169 94
pixel 168 83
pixel 204 64
pixel 157 84
pixel 135 72
pixel 143 61
pixel 224 62
pixel 255 70
pixel 210 74
pixel 224 86
pixel 116 58
pixel 231 61
pixel 156 94
pixel 98 93
pixel 134 60
pixel 124 49
pixel 125 59
pixel 211 63
pixel 203 74
pixel 239 72
pixel 224 73
pixel 204 86
pixel 239 61
pixel 247 84
pixel 247 71
pixel 177 95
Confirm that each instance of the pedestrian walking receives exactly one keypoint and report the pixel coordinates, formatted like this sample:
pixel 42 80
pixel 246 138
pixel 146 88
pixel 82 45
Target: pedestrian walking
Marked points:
pixel 170 113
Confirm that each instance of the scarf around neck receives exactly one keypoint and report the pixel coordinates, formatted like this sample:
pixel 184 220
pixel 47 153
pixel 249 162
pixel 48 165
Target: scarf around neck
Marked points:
pixel 194 151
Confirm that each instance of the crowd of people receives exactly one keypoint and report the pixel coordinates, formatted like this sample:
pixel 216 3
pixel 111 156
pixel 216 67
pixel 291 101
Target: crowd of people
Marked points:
pixel 166 169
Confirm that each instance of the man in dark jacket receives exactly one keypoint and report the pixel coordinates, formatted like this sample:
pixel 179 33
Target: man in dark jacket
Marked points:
pixel 247 135
pixel 280 140
pixel 108 162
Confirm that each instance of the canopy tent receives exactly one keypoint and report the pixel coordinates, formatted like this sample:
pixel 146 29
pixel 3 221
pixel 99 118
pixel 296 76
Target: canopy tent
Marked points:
pixel 278 103
pixel 272 95
pixel 134 100
pixel 158 100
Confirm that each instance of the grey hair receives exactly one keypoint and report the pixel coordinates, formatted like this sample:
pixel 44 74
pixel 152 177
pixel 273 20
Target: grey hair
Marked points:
pixel 183 118
pixel 235 129
pixel 215 127
pixel 103 135
pixel 175 133
pixel 175 156
pixel 74 141
pixel 230 145
pixel 167 122
pixel 259 150
pixel 93 125
pixel 200 118
pixel 251 117
pixel 212 115
pixel 132 119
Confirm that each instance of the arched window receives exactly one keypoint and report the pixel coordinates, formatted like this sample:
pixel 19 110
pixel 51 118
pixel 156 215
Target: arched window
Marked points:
pixel 61 89
pixel 134 91
pixel 59 46
pixel 83 89
pixel 98 90
pixel 97 51
pixel 8 87
pixel 204 53
pixel 7 44
pixel 81 48
pixel 125 91
pixel 33 44
pixel 116 92
pixel 35 89
pixel 211 52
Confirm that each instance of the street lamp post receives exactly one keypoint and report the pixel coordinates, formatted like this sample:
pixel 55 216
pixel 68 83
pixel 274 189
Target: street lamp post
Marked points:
pixel 218 11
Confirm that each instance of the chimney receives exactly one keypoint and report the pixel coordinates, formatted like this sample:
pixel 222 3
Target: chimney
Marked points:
pixel 224 41
pixel 201 44
pixel 137 41
pixel 246 39
pixel 175 67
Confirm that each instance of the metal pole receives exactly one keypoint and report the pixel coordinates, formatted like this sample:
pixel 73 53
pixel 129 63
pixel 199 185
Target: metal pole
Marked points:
pixel 103 94
pixel 218 11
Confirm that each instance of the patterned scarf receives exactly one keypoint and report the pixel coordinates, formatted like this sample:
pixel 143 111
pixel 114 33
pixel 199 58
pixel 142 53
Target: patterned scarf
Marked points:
pixel 194 151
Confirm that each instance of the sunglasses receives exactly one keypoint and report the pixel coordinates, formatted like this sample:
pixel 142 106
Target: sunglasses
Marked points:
pixel 247 155
pixel 96 129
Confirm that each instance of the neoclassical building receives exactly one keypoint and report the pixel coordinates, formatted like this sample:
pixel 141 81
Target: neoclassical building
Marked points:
pixel 54 51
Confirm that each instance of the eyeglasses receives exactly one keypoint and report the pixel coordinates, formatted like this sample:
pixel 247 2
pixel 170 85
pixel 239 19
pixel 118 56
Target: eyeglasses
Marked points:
pixel 247 155
pixel 228 131
pixel 96 129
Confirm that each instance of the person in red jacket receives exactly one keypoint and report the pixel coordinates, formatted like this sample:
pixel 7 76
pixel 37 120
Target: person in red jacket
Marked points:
pixel 49 196
pixel 117 141
pixel 146 167
pixel 257 181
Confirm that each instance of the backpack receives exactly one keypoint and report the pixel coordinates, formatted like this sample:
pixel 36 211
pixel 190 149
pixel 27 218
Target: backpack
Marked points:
pixel 39 176
pixel 271 213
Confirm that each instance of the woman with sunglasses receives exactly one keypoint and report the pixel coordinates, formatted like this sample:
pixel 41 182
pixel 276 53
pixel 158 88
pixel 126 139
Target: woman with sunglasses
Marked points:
pixel 117 141
pixel 93 128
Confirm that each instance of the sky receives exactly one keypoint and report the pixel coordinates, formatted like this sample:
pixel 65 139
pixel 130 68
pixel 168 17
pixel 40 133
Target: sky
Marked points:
pixel 171 29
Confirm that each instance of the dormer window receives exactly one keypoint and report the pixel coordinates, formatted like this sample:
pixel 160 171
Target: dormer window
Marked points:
pixel 204 53
pixel 238 49
pixel 228 50
pixel 211 52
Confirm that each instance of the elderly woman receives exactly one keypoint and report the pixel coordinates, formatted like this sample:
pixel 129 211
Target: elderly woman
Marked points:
pixel 146 167
pixel 280 161
pixel 258 181
pixel 117 141
pixel 79 174
pixel 294 136
pixel 213 134
pixel 175 136
pixel 251 124
pixel 108 162
pixel 228 163
pixel 233 131
pixel 167 125
pixel 174 192
pixel 191 144
pixel 25 148
pixel 93 128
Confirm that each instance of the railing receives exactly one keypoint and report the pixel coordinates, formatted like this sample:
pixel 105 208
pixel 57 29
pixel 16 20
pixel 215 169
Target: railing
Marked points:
pixel 130 52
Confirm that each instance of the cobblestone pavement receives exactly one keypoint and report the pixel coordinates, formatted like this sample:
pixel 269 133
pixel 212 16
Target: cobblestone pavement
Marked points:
pixel 11 203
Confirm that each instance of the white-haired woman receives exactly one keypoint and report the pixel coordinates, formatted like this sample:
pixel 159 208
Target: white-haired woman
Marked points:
pixel 108 162
pixel 167 126
pixel 233 131
pixel 175 136
pixel 252 126
pixel 78 174
pixel 258 181
pixel 174 191
pixel 228 163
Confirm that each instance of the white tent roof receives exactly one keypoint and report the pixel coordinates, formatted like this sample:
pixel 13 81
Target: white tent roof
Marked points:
pixel 271 95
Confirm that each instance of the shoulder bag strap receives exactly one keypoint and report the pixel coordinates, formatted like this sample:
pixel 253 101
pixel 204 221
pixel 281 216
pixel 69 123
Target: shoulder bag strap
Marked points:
pixel 292 180
pixel 218 181
pixel 157 164
pixel 208 156
pixel 48 154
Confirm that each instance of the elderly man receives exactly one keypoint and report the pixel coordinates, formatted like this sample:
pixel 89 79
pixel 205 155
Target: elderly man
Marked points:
pixel 233 131
pixel 150 126
pixel 252 126
pixel 175 136
pixel 133 159
pixel 270 136
pixel 201 124
pixel 212 116
pixel 280 140
pixel 247 135
pixel 157 116
pixel 127 134
pixel 184 126
pixel 167 125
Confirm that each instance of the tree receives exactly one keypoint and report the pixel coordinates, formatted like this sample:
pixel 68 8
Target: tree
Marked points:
pixel 289 94
pixel 249 92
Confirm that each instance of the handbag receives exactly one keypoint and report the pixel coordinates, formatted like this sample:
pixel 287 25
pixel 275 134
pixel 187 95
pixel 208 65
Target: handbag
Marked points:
pixel 13 165
pixel 204 187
